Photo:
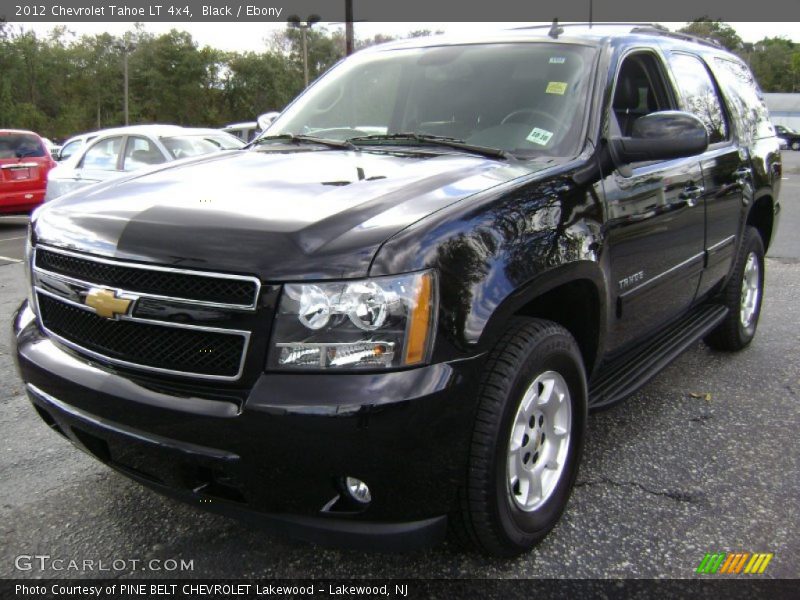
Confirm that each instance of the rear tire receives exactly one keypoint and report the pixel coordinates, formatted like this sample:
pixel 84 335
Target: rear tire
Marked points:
pixel 742 296
pixel 795 145
pixel 527 440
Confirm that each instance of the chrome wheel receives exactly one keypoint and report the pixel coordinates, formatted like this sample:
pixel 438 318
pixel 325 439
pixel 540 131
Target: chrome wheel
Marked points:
pixel 751 291
pixel 539 442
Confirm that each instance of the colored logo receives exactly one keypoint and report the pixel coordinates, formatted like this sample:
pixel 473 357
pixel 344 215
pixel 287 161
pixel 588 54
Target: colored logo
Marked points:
pixel 106 304
pixel 734 563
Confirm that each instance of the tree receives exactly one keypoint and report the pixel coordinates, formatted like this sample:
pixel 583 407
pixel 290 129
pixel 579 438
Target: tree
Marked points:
pixel 775 62
pixel 715 30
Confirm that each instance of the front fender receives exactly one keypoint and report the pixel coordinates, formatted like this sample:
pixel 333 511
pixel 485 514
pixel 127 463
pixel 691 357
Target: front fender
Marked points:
pixel 496 254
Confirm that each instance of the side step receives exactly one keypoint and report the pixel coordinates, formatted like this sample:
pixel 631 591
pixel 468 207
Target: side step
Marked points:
pixel 624 375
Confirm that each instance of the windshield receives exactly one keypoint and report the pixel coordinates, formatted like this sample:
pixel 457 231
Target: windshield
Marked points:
pixel 525 98
pixel 184 146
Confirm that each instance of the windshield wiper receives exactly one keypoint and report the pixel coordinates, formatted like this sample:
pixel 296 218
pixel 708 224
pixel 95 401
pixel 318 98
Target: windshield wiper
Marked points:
pixel 438 140
pixel 304 139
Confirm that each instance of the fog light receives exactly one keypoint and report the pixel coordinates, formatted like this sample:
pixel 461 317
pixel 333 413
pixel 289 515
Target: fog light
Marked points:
pixel 358 490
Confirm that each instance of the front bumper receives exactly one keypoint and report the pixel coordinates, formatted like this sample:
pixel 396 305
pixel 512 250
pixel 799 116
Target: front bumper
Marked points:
pixel 276 452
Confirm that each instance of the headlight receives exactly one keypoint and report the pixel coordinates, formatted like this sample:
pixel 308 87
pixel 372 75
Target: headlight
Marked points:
pixel 367 324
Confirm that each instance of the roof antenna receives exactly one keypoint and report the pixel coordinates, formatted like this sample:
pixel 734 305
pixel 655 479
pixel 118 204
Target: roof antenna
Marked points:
pixel 591 2
pixel 555 30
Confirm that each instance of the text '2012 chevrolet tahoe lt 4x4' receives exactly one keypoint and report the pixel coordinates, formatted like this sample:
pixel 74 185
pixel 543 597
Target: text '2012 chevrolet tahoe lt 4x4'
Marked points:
pixel 392 312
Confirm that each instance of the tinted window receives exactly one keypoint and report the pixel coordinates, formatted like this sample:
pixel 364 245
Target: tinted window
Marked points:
pixel 103 155
pixel 139 153
pixel 699 95
pixel 21 145
pixel 639 90
pixel 526 98
pixel 747 103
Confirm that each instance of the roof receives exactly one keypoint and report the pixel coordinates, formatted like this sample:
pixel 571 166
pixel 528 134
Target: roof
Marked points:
pixel 17 131
pixel 243 125
pixel 156 130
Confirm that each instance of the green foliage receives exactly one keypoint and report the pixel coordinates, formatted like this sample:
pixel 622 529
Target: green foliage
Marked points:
pixel 61 84
pixel 716 30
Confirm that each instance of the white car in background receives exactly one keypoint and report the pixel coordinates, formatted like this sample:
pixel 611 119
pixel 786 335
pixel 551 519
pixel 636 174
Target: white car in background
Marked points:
pixel 75 143
pixel 114 152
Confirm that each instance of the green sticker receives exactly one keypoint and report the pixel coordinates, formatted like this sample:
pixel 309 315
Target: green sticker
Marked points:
pixel 556 87
pixel 539 136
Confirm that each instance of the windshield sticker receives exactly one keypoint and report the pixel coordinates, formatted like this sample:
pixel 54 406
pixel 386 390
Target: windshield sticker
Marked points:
pixel 539 136
pixel 556 87
pixel 557 60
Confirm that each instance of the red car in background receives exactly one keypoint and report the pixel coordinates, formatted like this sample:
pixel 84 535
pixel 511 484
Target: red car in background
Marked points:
pixel 24 163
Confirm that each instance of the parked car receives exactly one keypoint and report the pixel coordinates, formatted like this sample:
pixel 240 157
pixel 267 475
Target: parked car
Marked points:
pixel 52 148
pixel 791 136
pixel 24 164
pixel 244 131
pixel 393 312
pixel 73 144
pixel 114 152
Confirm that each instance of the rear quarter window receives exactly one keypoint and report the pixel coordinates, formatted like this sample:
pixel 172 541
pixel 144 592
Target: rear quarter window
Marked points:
pixel 744 96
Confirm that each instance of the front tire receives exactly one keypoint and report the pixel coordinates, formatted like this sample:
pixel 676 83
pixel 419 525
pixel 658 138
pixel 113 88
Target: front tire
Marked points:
pixel 527 439
pixel 742 296
pixel 795 145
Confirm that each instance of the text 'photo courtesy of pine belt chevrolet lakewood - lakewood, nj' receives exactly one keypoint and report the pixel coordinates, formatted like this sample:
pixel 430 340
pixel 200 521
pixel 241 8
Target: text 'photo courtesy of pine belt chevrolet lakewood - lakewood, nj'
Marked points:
pixel 389 315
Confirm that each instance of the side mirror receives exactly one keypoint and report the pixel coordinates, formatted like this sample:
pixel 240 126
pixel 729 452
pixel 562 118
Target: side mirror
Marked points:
pixel 266 119
pixel 661 136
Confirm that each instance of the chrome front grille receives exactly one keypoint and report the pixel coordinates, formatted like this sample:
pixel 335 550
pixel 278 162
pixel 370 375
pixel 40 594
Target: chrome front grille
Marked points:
pixel 160 327
pixel 209 288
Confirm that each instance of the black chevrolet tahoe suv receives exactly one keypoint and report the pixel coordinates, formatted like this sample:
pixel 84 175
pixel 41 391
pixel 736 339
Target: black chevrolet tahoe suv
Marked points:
pixel 390 315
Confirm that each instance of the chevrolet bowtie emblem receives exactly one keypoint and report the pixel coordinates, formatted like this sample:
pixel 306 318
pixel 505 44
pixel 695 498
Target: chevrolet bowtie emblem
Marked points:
pixel 106 304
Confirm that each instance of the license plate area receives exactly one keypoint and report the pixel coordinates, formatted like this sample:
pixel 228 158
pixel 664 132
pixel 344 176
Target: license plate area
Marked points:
pixel 20 174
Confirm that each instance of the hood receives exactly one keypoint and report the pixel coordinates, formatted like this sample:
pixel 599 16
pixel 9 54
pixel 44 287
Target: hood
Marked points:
pixel 310 214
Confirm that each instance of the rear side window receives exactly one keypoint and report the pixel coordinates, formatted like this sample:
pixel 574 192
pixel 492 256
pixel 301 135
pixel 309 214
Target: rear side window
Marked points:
pixel 141 152
pixel 70 149
pixel 744 96
pixel 103 155
pixel 21 145
pixel 699 95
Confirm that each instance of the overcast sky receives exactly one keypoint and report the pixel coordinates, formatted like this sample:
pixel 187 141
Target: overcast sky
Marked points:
pixel 254 36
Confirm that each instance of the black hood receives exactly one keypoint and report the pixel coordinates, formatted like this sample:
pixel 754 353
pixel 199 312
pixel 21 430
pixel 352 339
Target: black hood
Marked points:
pixel 313 214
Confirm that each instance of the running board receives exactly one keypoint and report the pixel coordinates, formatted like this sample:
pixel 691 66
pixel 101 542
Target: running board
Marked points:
pixel 624 375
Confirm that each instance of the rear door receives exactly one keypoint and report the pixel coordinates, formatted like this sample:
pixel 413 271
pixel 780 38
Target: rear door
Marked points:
pixel 725 165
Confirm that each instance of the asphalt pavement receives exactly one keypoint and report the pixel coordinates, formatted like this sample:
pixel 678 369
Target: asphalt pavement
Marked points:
pixel 12 239
pixel 703 459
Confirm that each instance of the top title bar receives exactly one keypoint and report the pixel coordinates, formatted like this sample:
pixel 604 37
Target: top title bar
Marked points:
pixel 392 10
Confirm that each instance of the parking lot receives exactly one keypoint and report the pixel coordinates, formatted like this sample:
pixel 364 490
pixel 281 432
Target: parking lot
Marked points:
pixel 703 459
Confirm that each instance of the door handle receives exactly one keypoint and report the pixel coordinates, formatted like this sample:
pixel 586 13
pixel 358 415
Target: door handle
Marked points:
pixel 691 193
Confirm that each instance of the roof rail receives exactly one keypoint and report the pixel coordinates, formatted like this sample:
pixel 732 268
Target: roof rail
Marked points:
pixel 593 25
pixel 678 35
pixel 649 28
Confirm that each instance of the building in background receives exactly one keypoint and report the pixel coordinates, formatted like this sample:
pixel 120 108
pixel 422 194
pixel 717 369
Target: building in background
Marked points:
pixel 784 109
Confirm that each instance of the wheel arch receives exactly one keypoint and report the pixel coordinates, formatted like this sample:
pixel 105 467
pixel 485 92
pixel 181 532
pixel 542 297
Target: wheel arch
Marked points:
pixel 762 216
pixel 572 296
